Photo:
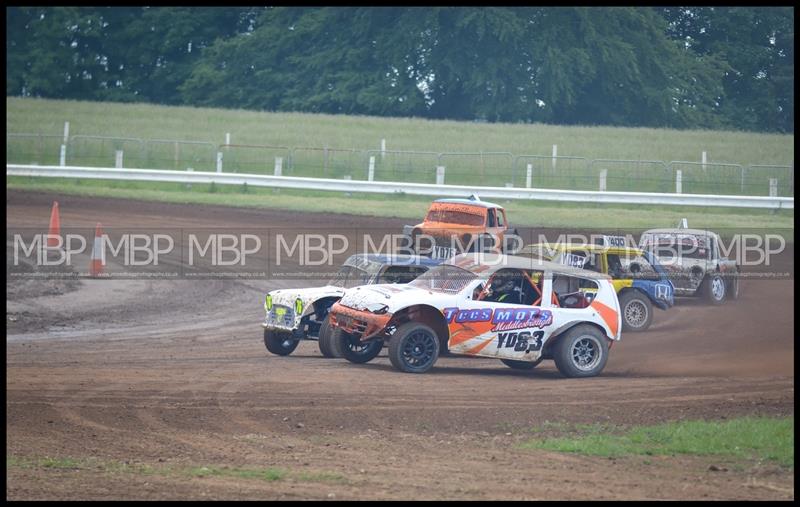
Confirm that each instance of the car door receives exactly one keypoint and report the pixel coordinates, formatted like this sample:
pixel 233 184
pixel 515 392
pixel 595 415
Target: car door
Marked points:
pixel 497 328
pixel 495 225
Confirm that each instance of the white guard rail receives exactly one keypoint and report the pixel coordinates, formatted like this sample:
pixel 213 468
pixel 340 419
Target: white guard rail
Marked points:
pixel 386 187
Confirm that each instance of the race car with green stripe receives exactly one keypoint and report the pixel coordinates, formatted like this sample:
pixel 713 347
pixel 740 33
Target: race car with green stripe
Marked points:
pixel 292 315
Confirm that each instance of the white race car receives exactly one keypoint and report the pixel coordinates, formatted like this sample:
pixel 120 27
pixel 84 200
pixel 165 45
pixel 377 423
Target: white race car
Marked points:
pixel 519 310
pixel 296 314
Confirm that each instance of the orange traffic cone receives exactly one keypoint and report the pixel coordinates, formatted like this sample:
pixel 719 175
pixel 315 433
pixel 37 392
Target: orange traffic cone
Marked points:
pixel 55 227
pixel 98 259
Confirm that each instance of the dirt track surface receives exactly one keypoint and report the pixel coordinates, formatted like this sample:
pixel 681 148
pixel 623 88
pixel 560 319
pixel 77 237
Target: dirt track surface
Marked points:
pixel 173 375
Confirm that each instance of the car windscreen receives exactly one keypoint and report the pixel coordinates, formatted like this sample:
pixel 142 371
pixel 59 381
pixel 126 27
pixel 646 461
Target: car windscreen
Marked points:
pixel 671 247
pixel 444 278
pixel 350 276
pixel 449 216
pixel 401 274
pixel 666 250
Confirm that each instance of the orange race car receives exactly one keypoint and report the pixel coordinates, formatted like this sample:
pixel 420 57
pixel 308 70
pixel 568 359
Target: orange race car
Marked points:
pixel 455 226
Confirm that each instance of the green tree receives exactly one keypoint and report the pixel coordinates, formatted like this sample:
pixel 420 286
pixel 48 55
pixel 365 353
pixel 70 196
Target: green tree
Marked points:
pixel 616 66
pixel 52 52
pixel 111 53
pixel 331 60
pixel 758 45
pixel 684 67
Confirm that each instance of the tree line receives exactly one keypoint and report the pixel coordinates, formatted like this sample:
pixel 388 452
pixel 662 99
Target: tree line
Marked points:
pixel 675 67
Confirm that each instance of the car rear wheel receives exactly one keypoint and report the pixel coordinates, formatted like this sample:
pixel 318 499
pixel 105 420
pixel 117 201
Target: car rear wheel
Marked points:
pixel 325 343
pixel 521 365
pixel 637 311
pixel 581 352
pixel 279 343
pixel 733 286
pixel 414 348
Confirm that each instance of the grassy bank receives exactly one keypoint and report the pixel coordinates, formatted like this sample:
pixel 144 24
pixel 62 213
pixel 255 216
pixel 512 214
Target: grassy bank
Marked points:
pixel 94 465
pixel 412 208
pixel 27 115
pixel 757 438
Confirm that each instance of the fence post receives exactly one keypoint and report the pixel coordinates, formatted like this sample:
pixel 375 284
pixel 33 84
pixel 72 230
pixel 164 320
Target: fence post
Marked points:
pixel 227 138
pixel 529 176
pixel 678 182
pixel 440 175
pixel 62 159
pixel 603 175
pixel 118 161
pixel 371 173
pixel 278 166
pixel 773 187
pixel 555 154
pixel 383 149
pixel 66 132
pixel 219 161
pixel 347 177
pixel 704 161
pixel 742 171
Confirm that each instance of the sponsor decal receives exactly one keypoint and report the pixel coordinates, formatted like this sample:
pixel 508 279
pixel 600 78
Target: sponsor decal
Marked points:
pixel 524 340
pixel 504 319
pixel 662 291
pixel 613 240
pixel 571 259
pixel 443 252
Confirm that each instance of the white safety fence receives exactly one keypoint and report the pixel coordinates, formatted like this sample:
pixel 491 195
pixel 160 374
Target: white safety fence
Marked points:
pixel 385 187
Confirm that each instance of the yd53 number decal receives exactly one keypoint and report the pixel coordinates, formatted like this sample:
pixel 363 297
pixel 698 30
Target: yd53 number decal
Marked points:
pixel 519 341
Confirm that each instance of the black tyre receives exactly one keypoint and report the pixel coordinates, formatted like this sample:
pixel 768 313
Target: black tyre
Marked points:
pixel 733 286
pixel 414 348
pixel 325 343
pixel 522 365
pixel 511 240
pixel 637 310
pixel 351 348
pixel 279 343
pixel 581 352
pixel 714 289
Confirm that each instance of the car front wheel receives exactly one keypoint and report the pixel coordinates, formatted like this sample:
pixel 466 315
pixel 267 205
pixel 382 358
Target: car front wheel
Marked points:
pixel 279 343
pixel 715 289
pixel 354 350
pixel 414 348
